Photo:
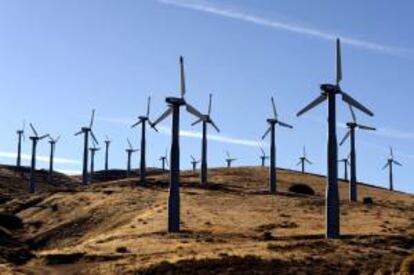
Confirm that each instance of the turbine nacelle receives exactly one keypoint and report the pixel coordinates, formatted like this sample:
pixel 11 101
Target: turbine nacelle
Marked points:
pixel 330 88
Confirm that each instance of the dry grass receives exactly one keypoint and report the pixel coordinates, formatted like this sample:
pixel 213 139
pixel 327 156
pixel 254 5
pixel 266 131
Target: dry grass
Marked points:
pixel 233 225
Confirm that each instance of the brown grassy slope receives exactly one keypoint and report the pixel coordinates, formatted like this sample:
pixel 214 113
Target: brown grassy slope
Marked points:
pixel 117 227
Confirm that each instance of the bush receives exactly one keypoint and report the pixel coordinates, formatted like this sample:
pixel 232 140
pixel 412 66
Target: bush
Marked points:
pixel 301 188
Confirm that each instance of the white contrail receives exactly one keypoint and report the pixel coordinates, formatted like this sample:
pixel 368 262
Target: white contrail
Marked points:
pixel 69 172
pixel 231 13
pixel 218 138
pixel 192 134
pixel 39 158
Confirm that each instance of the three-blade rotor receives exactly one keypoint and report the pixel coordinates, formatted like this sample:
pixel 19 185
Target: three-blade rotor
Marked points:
pixel 275 120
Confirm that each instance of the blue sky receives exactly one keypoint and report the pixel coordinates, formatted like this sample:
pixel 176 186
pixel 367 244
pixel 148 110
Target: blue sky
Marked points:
pixel 60 59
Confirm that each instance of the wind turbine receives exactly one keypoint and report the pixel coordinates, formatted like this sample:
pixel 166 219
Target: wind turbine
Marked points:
pixel 329 93
pixel 86 130
pixel 352 126
pixel 194 163
pixel 345 161
pixel 143 120
pixel 35 139
pixel 164 161
pixel 272 126
pixel 52 143
pixel 263 156
pixel 130 150
pixel 93 150
pixel 303 160
pixel 206 119
pixel 107 144
pixel 229 159
pixel 174 104
pixel 390 162
pixel 20 136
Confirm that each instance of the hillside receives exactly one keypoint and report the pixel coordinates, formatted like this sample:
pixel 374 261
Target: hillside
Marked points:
pixel 232 226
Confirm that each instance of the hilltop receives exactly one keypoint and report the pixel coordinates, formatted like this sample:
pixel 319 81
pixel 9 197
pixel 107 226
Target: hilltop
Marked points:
pixel 231 226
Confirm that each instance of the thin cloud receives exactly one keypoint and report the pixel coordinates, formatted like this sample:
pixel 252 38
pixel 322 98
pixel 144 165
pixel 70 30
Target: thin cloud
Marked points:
pixel 39 158
pixel 233 14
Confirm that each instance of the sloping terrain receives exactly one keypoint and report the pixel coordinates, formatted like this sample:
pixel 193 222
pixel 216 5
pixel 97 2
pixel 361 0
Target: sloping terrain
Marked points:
pixel 231 226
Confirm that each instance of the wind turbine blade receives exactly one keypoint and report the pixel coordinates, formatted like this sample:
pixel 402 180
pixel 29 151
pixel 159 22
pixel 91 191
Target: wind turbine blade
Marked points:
pixel 274 107
pixel 193 158
pixel 33 129
pixel 345 138
pixel 24 125
pixel 299 163
pixel 266 133
pixel 215 126
pixel 57 139
pixel 194 111
pixel 196 122
pixel 136 124
pixel 152 125
pixel 163 116
pixel 129 143
pixel 363 127
pixel 78 133
pixel 304 151
pixel 209 104
pixel 285 125
pixel 309 162
pixel 391 152
pixel 338 62
pixel 136 150
pixel 352 113
pixel 94 138
pixel 263 152
pixel 44 136
pixel 386 165
pixel 227 154
pixel 182 75
pixel 92 118
pixel 148 105
pixel 348 99
pixel 398 163
pixel 312 105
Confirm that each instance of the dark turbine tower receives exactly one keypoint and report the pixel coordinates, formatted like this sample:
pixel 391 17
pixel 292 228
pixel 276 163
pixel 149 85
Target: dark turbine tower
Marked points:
pixel 205 120
pixel 143 121
pixel 52 143
pixel 130 150
pixel 20 136
pixel 272 127
pixel 303 160
pixel 194 163
pixel 345 161
pixel 353 195
pixel 263 157
pixel 329 93
pixel 229 159
pixel 164 161
pixel 86 130
pixel 93 150
pixel 390 164
pixel 35 139
pixel 107 144
pixel 174 104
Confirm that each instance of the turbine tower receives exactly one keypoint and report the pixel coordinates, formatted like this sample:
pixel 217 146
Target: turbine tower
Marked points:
pixel 52 143
pixel 263 157
pixel 272 127
pixel 20 136
pixel 107 144
pixel 164 161
pixel 143 121
pixel 194 163
pixel 390 164
pixel 303 160
pixel 86 131
pixel 205 121
pixel 130 150
pixel 93 150
pixel 345 161
pixel 174 104
pixel 229 159
pixel 352 126
pixel 329 93
pixel 35 139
